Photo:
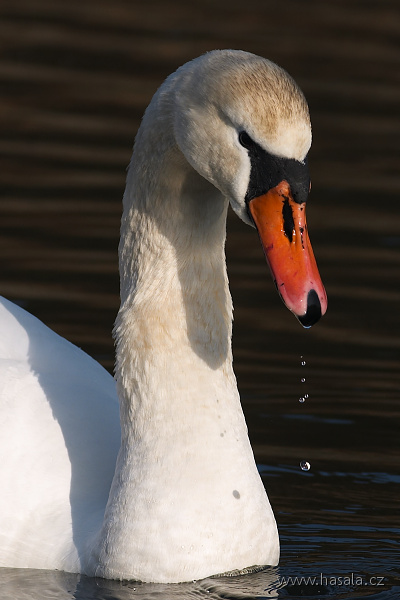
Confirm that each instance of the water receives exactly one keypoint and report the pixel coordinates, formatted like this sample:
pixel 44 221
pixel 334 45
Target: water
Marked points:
pixel 75 80
pixel 303 398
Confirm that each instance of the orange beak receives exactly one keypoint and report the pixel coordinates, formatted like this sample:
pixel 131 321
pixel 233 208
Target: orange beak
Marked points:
pixel 281 225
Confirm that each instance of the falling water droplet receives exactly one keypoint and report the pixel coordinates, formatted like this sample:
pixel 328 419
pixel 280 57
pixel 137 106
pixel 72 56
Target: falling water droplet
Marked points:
pixel 305 465
pixel 303 397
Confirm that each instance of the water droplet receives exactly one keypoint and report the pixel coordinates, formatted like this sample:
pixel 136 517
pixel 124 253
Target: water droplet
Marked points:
pixel 303 363
pixel 305 465
pixel 305 396
pixel 302 399
pixel 303 379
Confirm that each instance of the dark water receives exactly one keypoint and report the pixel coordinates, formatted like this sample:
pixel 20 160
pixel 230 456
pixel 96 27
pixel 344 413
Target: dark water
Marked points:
pixel 75 77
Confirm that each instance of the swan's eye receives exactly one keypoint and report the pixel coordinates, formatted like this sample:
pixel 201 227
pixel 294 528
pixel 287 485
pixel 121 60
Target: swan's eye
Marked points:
pixel 245 140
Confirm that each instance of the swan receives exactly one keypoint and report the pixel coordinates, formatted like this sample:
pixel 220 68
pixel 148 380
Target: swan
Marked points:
pixel 153 477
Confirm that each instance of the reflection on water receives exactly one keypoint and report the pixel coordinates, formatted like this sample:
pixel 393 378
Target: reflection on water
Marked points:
pixel 75 78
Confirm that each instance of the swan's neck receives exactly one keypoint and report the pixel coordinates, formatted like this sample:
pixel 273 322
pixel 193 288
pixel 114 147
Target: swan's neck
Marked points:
pixel 173 330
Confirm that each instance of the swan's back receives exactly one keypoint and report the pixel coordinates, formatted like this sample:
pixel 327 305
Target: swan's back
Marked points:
pixel 59 438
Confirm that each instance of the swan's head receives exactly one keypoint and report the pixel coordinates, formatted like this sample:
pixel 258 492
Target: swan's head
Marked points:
pixel 243 123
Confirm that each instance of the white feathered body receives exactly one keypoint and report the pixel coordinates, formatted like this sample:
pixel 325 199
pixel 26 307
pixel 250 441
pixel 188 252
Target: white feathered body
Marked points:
pixel 60 436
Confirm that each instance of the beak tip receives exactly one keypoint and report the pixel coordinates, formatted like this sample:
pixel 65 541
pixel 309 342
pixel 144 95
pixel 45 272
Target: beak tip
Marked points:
pixel 314 311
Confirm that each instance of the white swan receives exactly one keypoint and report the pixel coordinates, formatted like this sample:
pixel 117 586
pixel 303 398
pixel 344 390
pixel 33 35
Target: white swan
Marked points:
pixel 185 500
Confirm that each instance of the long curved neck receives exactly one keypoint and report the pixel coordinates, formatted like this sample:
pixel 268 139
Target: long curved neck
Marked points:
pixel 173 330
